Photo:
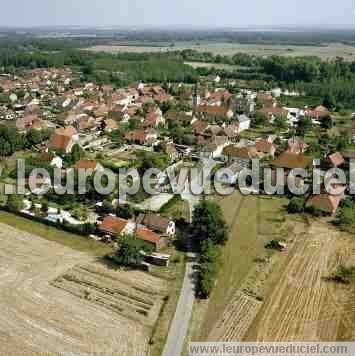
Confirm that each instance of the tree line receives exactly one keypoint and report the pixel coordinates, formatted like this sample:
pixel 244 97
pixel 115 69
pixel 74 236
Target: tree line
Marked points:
pixel 103 68
pixel 210 233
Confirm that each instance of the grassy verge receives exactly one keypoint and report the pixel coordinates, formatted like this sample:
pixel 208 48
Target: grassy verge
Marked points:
pixel 76 242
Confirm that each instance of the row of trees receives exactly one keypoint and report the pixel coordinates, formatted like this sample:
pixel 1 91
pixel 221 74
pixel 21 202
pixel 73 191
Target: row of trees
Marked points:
pixel 210 232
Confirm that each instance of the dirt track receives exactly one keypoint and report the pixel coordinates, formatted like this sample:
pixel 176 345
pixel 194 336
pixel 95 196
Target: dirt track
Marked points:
pixel 38 318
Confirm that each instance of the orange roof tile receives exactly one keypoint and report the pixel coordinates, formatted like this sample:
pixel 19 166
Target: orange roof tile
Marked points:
pixel 113 225
pixel 147 235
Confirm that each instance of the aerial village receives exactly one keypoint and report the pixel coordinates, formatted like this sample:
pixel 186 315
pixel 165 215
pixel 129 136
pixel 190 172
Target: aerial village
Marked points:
pixel 63 123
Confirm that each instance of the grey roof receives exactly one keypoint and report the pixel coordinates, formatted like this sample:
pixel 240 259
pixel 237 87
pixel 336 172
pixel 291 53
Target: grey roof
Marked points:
pixel 243 118
pixel 236 167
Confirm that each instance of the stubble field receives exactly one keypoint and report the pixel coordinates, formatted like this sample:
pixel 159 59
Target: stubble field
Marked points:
pixel 55 300
pixel 326 51
pixel 265 295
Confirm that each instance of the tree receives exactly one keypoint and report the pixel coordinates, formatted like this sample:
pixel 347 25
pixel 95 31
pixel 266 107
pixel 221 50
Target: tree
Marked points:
pixel 124 211
pixel 329 101
pixel 343 274
pixel 44 207
pixel 280 123
pixel 4 99
pixel 304 125
pixel 209 223
pixel 327 122
pixel 260 119
pixel 346 215
pixel 210 258
pixel 296 205
pixel 77 153
pixel 5 148
pixel 147 160
pixel 8 140
pixel 129 250
pixel 34 136
pixel 15 203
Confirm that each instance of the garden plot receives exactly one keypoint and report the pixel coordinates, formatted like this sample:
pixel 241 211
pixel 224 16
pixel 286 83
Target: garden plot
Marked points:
pixel 132 294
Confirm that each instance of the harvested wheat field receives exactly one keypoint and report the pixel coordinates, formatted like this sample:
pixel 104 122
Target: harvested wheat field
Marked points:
pixel 295 302
pixel 55 300
pixel 303 304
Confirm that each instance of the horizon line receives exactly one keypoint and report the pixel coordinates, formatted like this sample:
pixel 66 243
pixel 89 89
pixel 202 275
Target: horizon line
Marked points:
pixel 184 27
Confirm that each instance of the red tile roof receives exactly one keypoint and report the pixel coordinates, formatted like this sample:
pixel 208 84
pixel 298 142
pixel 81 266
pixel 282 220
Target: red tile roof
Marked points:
pixel 264 146
pixel 296 145
pixel 212 110
pixel 336 159
pixel 325 202
pixel 148 235
pixel 113 225
pixel 240 152
pixel 137 135
pixel 59 141
pixel 276 111
pixel 86 164
pixel 291 160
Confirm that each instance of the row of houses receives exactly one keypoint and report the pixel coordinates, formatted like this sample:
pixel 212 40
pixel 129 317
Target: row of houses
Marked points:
pixel 153 229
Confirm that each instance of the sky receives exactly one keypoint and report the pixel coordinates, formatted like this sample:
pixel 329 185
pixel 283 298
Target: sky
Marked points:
pixel 163 13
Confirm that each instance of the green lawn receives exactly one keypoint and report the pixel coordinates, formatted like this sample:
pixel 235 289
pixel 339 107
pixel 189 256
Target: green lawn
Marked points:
pixel 176 208
pixel 76 242
pixel 257 132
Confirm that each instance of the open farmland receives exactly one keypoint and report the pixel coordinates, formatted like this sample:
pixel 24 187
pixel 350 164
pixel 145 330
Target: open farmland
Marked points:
pixel 286 297
pixel 303 305
pixel 265 295
pixel 325 51
pixel 55 300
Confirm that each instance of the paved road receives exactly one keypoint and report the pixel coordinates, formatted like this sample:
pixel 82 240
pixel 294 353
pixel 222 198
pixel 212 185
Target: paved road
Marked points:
pixel 192 199
pixel 180 324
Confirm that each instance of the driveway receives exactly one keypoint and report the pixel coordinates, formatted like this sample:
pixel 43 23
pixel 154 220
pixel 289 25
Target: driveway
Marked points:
pixel 187 195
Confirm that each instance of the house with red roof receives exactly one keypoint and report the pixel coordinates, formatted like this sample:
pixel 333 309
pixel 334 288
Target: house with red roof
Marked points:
pixel 151 238
pixel 153 119
pixel 63 140
pixel 142 137
pixel 88 164
pixel 336 159
pixel 325 202
pixel 112 226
